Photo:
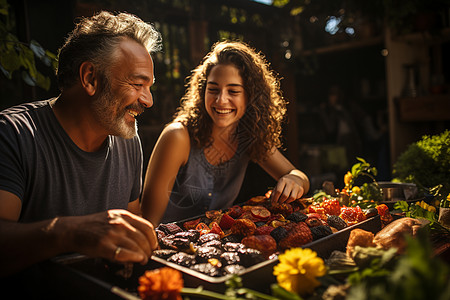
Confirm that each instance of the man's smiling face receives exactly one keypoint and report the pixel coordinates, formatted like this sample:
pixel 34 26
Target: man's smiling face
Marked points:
pixel 126 89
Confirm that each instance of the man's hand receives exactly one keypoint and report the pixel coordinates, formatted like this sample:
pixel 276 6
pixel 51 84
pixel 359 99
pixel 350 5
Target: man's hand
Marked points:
pixel 115 234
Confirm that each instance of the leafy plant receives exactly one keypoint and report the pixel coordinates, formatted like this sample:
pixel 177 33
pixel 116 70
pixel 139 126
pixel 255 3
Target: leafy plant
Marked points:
pixel 371 191
pixel 17 56
pixel 416 275
pixel 427 164
pixel 417 210
pixel 361 171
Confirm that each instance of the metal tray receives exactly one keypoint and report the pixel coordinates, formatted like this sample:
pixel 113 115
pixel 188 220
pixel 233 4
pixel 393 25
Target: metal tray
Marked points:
pixel 77 276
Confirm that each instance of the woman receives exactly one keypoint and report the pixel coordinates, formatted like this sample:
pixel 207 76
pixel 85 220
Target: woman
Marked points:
pixel 231 112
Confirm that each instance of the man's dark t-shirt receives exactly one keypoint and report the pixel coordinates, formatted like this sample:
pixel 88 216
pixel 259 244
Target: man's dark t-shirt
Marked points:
pixel 53 177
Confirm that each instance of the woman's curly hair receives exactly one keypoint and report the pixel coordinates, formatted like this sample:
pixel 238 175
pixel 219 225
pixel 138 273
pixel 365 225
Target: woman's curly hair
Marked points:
pixel 261 124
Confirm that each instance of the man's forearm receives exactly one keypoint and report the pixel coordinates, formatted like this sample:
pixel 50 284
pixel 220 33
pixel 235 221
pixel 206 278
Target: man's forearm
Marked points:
pixel 24 244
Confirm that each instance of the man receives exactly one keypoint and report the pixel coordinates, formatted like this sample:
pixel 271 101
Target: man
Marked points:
pixel 71 166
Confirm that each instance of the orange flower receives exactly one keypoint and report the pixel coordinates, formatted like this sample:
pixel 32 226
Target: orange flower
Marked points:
pixel 163 283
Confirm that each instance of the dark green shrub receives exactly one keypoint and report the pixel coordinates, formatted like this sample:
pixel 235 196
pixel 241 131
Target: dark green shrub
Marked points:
pixel 426 163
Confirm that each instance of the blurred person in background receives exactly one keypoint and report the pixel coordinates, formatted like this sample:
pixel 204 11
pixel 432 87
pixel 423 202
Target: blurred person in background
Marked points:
pixel 340 125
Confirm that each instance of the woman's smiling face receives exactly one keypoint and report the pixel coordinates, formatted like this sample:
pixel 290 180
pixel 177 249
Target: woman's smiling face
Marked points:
pixel 225 96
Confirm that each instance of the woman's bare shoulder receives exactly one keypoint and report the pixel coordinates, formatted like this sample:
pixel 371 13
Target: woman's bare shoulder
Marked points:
pixel 175 136
pixel 176 130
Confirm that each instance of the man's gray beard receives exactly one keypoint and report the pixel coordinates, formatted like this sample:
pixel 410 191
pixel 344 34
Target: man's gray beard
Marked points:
pixel 113 121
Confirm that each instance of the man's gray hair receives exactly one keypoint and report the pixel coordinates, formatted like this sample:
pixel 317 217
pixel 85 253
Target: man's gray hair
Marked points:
pixel 95 39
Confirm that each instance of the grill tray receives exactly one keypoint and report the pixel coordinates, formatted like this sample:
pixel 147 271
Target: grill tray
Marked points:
pixel 76 276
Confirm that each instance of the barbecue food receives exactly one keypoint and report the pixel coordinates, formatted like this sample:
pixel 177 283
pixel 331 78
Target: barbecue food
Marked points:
pixel 250 257
pixel 260 212
pixel 203 254
pixel 336 222
pixel 264 243
pixel 167 242
pixel 164 253
pixel 279 233
pixel 207 269
pixel 359 237
pixel 226 242
pixel 181 244
pixel 243 227
pixel 208 237
pixel 314 219
pixel 231 239
pixel 297 217
pixel 229 246
pixel 230 258
pixel 352 215
pixel 214 243
pixel 183 259
pixel 192 235
pixel 284 209
pixel 264 230
pixel 393 234
pixel 191 224
pixel 232 269
pixel 320 231
pixel 169 228
pixel 299 234
pixel 226 222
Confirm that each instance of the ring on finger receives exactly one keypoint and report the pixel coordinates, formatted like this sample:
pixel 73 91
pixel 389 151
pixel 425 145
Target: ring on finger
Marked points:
pixel 116 253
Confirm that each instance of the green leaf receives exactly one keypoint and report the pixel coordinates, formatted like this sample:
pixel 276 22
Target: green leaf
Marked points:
pixel 10 60
pixel 37 49
pixel 4 7
pixel 6 73
pixel 361 160
pixel 28 79
pixel 281 293
pixel 43 81
pixel 53 59
pixel 18 56
pixel 27 60
pixel 402 205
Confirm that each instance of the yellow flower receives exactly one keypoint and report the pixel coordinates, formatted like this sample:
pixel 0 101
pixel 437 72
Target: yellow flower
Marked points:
pixel 424 205
pixel 298 269
pixel 356 190
pixel 348 178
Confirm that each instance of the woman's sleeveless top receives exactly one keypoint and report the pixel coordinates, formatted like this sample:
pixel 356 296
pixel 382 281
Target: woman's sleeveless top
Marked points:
pixel 200 186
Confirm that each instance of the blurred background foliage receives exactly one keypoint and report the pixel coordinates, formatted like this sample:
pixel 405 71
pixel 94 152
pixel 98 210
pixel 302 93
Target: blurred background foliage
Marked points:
pixel 18 56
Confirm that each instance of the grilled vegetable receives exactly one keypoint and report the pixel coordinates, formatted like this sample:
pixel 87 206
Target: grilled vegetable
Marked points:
pixel 264 243
pixel 260 212
pixel 243 227
pixel 299 234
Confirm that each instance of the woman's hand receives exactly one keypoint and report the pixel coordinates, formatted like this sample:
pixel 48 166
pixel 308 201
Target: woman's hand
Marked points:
pixel 292 183
pixel 289 187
